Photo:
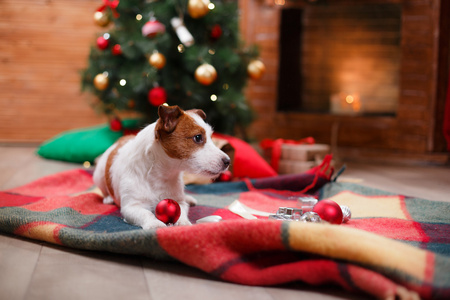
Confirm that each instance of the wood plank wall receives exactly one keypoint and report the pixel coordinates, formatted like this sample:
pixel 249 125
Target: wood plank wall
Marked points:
pixel 44 44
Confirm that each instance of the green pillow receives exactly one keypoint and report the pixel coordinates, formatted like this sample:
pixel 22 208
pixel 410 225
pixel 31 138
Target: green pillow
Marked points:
pixel 81 145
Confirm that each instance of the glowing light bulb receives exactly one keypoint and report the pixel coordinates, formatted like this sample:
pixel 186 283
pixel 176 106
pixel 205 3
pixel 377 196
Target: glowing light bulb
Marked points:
pixel 349 99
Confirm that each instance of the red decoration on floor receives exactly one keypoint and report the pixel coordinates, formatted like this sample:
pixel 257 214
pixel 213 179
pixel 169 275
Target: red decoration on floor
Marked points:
pixel 157 96
pixel 247 162
pixel 168 211
pixel 115 124
pixel 226 176
pixel 329 211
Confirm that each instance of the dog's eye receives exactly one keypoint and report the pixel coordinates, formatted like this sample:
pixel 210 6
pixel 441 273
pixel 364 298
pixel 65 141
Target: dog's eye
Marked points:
pixel 198 139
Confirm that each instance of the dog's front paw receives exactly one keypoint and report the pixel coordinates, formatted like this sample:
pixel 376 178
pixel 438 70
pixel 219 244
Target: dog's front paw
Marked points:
pixel 183 222
pixel 152 224
pixel 190 200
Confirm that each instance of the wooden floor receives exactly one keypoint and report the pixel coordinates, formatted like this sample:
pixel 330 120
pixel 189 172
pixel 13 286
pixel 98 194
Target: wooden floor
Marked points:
pixel 37 270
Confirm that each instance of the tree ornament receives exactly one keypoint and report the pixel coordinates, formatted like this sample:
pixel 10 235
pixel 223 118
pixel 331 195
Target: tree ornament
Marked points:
pixel 157 96
pixel 287 214
pixel 183 34
pixel 346 214
pixel 103 42
pixel 329 211
pixel 205 74
pixel 256 69
pixel 112 4
pixel 157 60
pixel 153 28
pixel 101 18
pixel 216 32
pixel 168 211
pixel 310 217
pixel 198 8
pixel 116 50
pixel 101 81
pixel 115 124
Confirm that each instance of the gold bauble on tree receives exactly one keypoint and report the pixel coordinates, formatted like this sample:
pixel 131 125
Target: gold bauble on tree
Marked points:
pixel 157 60
pixel 198 8
pixel 101 18
pixel 101 81
pixel 256 69
pixel 205 74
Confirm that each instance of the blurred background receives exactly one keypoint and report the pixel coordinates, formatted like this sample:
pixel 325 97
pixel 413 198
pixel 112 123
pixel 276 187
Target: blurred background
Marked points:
pixel 369 78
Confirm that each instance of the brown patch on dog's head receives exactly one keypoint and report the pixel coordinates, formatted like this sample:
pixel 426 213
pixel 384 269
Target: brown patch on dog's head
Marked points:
pixel 178 133
pixel 199 112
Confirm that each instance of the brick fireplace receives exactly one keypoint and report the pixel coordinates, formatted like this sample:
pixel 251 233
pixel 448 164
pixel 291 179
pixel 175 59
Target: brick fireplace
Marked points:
pixel 366 76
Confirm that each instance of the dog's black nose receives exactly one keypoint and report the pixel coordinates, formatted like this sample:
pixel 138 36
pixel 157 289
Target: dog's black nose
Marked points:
pixel 226 162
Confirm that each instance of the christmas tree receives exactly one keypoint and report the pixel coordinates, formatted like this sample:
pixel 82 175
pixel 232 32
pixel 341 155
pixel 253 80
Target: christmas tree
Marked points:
pixel 179 52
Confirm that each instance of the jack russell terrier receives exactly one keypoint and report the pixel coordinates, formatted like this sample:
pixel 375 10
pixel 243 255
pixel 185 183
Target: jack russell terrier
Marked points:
pixel 138 172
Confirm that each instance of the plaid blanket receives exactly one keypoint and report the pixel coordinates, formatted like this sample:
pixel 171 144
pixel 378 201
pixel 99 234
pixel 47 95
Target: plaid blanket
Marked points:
pixel 393 245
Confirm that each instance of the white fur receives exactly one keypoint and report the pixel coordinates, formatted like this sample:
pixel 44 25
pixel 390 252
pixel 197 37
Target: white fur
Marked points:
pixel 143 174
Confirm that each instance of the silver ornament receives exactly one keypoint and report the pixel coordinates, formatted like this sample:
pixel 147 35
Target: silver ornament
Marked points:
pixel 310 217
pixel 346 214
pixel 287 213
pixel 307 203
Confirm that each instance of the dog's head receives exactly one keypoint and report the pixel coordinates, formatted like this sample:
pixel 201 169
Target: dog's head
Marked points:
pixel 184 135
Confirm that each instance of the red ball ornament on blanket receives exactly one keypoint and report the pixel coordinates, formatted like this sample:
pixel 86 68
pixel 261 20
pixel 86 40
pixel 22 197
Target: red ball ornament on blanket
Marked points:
pixel 157 96
pixel 329 211
pixel 168 211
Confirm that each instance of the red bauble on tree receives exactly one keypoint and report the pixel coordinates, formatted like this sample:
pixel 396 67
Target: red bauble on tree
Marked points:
pixel 116 49
pixel 157 96
pixel 168 211
pixel 103 42
pixel 329 211
pixel 115 124
pixel 216 32
pixel 153 28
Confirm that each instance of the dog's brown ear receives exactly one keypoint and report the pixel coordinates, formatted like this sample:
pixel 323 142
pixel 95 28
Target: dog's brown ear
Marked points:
pixel 199 112
pixel 169 116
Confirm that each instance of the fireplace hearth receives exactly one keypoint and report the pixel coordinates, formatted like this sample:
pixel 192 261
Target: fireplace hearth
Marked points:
pixel 340 59
pixel 368 77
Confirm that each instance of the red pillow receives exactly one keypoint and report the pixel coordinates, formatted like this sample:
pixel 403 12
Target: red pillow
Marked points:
pixel 247 161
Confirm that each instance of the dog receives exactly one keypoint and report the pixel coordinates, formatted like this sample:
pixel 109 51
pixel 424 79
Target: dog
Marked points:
pixel 139 171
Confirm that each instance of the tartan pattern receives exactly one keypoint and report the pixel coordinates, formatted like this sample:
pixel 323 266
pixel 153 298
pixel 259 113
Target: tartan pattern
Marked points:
pixel 392 243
